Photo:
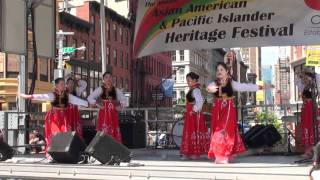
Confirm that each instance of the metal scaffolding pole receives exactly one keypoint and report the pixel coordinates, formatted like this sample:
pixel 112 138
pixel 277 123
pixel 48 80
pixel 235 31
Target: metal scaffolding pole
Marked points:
pixel 103 36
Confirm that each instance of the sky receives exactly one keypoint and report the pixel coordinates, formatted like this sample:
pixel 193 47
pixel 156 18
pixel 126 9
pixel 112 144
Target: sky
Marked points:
pixel 269 55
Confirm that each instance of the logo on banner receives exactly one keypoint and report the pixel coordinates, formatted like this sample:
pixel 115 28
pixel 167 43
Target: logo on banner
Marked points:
pixel 315 19
pixel 313 4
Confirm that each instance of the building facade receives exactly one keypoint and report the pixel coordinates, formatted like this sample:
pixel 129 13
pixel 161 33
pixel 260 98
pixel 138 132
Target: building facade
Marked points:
pixel 190 61
pixel 147 77
pixel 252 58
pixel 131 75
pixel 267 75
pixel 86 28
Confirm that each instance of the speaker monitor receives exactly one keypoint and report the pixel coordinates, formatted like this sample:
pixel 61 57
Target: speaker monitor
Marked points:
pixel 261 135
pixel 66 147
pixel 6 152
pixel 106 150
pixel 254 143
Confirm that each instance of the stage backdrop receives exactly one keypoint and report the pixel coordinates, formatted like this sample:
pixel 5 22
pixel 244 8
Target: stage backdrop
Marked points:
pixel 166 25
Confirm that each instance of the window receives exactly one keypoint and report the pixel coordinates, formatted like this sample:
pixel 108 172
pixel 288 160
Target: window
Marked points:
pixel 75 44
pixel 108 30
pixel 93 21
pixel 115 80
pixel 127 61
pixel 181 75
pixel 92 85
pixel 121 35
pixel 182 94
pixel 127 85
pixel 173 56
pixel 174 94
pixel 121 59
pixel 65 42
pixel 115 32
pixel 115 57
pixel 126 37
pixel 84 73
pixel 96 78
pixel 108 54
pixel 121 82
pixel 78 70
pixel 93 50
pixel 84 52
pixel 181 55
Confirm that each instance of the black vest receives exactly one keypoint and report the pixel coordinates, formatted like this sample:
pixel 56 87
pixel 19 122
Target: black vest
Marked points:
pixel 307 93
pixel 226 90
pixel 189 96
pixel 60 101
pixel 108 94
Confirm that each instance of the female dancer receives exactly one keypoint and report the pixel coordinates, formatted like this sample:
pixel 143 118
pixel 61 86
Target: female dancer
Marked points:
pixel 111 98
pixel 195 138
pixel 305 83
pixel 57 119
pixel 226 141
pixel 77 90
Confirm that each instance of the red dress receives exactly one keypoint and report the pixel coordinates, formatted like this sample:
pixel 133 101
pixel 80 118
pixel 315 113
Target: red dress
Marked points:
pixel 224 123
pixel 226 141
pixel 74 123
pixel 307 125
pixel 195 137
pixel 108 120
pixel 57 119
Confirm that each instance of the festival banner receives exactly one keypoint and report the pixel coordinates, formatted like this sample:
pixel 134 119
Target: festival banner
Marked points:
pixel 166 25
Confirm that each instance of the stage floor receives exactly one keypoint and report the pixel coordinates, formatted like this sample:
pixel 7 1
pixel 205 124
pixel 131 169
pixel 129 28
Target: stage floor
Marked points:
pixel 162 165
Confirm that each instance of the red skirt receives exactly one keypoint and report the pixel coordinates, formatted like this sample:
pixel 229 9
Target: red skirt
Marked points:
pixel 195 137
pixel 56 121
pixel 74 123
pixel 307 133
pixel 226 141
pixel 108 120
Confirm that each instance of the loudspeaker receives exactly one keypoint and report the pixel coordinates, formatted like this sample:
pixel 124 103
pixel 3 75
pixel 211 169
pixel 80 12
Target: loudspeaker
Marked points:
pixel 66 147
pixel 261 135
pixel 106 150
pixel 6 152
pixel 252 132
pixel 133 134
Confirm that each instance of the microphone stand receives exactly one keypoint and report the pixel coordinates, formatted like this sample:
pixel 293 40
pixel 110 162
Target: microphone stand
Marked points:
pixel 156 103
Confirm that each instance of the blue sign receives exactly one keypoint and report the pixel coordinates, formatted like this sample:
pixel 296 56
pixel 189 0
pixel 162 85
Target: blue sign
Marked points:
pixel 167 87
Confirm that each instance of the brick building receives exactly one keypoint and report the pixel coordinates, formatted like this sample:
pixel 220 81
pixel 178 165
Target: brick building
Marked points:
pixel 139 77
pixel 86 27
pixel 148 73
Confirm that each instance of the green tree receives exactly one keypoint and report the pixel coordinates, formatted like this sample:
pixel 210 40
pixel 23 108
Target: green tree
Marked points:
pixel 270 118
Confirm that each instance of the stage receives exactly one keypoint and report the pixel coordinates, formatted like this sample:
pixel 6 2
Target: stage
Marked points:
pixel 160 164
